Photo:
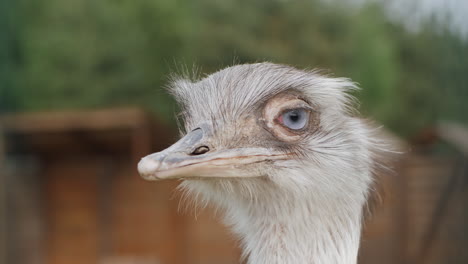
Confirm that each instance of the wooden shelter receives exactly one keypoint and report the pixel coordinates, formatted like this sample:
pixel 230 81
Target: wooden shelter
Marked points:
pixel 74 196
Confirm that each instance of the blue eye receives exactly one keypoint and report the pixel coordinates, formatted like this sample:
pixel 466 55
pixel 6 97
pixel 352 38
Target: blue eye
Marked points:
pixel 294 119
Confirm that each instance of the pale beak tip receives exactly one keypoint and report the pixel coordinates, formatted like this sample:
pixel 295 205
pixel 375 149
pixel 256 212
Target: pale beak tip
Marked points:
pixel 147 168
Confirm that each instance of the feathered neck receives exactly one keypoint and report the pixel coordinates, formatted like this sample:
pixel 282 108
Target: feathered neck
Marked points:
pixel 317 228
pixel 298 232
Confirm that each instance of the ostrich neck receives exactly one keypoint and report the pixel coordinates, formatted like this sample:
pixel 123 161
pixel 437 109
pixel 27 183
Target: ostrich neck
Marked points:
pixel 305 230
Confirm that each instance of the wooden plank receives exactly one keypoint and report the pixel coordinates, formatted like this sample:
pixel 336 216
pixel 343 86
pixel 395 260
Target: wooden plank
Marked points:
pixel 71 211
pixel 143 225
pixel 74 120
pixel 114 130
pixel 425 177
pixel 3 202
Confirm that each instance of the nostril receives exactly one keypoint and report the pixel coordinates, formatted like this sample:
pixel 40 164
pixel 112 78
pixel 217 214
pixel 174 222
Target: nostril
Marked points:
pixel 200 150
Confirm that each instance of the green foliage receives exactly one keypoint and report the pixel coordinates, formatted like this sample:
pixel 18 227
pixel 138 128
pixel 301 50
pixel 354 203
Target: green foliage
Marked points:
pixel 7 56
pixel 87 54
pixel 97 53
pixel 374 64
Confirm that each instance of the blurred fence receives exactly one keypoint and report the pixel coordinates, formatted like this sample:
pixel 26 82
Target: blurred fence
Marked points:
pixel 3 201
pixel 436 195
pixel 73 196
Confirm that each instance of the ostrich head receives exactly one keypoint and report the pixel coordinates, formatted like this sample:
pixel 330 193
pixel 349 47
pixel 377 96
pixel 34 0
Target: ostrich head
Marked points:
pixel 279 150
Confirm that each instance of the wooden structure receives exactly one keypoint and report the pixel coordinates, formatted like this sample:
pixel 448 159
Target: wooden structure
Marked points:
pixel 434 190
pixel 70 194
pixel 74 195
pixel 3 203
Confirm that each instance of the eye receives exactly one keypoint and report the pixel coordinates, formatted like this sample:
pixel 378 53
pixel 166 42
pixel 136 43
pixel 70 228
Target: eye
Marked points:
pixel 295 119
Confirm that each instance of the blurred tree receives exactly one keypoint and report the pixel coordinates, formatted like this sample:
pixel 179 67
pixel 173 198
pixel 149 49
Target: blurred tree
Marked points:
pixel 303 33
pixel 373 63
pixel 8 55
pixel 433 85
pixel 85 53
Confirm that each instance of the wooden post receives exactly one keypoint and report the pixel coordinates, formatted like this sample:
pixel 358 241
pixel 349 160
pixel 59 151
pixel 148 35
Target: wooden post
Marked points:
pixel 402 211
pixel 3 202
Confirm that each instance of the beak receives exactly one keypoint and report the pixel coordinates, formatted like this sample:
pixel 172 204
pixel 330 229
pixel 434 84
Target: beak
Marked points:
pixel 181 160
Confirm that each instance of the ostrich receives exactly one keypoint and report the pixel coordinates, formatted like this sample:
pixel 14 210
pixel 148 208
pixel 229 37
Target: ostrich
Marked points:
pixel 280 152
